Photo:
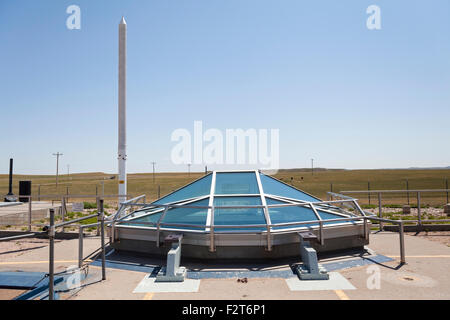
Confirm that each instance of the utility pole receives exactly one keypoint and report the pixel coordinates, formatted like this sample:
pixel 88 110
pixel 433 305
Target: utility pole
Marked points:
pixel 57 165
pixel 312 167
pixel 68 172
pixel 153 164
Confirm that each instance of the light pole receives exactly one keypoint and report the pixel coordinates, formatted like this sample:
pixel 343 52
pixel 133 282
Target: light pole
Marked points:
pixel 153 164
pixel 189 169
pixel 57 165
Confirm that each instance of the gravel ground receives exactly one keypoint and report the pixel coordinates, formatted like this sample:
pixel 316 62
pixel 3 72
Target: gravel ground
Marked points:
pixel 437 212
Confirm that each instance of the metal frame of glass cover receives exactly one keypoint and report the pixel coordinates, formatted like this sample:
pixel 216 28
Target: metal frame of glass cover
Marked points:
pixel 237 203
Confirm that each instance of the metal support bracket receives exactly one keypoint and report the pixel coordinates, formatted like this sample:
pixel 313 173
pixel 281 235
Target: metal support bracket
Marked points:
pixel 172 272
pixel 310 269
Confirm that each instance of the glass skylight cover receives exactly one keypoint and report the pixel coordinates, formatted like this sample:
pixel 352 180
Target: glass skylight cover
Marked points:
pixel 234 189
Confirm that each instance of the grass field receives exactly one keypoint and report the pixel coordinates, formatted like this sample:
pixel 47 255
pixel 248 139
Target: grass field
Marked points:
pixel 317 184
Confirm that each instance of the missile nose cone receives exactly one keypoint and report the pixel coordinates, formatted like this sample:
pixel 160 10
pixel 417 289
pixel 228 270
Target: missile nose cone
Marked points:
pixel 123 21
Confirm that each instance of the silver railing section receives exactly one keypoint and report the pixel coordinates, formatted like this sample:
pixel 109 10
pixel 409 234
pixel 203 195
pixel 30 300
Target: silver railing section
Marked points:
pixel 420 221
pixel 50 231
pixel 64 201
pixel 267 228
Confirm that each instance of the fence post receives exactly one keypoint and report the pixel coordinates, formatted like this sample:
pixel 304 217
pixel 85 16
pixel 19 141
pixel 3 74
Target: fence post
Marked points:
pixel 51 237
pixel 402 243
pixel 29 213
pixel 80 246
pixel 380 211
pixel 419 216
pixel 97 201
pixel 102 236
pixel 446 187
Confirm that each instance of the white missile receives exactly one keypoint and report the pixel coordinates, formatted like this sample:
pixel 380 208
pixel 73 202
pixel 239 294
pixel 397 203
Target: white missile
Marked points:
pixel 122 150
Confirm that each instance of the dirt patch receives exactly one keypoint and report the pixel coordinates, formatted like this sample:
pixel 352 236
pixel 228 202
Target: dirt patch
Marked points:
pixel 15 248
pixel 436 236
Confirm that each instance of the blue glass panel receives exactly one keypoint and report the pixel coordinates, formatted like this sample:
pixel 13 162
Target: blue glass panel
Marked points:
pixel 183 215
pixel 293 214
pixel 241 216
pixel 328 216
pixel 277 188
pixel 180 215
pixel 289 214
pixel 236 183
pixel 150 218
pixel 198 188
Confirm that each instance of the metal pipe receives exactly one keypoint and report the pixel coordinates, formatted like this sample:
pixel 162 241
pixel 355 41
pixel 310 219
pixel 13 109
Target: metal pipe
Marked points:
pixel 212 246
pixel 102 237
pixel 419 216
pixel 159 226
pixel 402 243
pixel 380 210
pixel 80 246
pixel 75 220
pixel 21 236
pixel 322 240
pixel 51 237
pixel 29 214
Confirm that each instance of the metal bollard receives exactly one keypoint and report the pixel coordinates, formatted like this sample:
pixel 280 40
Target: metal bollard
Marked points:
pixel 80 246
pixel 51 237
pixel 29 213
pixel 402 243
pixel 102 237
pixel 380 211
pixel 419 215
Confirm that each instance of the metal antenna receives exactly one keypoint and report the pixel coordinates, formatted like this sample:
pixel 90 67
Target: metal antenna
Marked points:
pixel 153 164
pixel 57 166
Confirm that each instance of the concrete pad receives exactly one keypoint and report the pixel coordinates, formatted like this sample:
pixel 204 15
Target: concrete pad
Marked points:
pixel 148 284
pixel 336 282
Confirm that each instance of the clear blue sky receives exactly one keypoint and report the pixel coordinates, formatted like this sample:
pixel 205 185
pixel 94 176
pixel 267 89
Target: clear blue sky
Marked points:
pixel 344 95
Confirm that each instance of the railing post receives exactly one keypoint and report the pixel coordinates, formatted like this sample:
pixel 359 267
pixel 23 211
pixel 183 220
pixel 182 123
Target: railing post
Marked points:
pixel 322 240
pixel 419 216
pixel 212 245
pixel 402 243
pixel 102 236
pixel 80 246
pixel 158 226
pixel 29 213
pixel 97 201
pixel 51 237
pixel 366 229
pixel 380 211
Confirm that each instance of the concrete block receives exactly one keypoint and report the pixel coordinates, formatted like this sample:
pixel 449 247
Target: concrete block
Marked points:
pixel 406 209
